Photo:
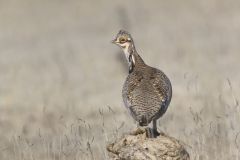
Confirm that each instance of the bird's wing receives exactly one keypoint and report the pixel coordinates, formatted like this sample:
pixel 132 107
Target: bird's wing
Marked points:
pixel 162 87
pixel 132 82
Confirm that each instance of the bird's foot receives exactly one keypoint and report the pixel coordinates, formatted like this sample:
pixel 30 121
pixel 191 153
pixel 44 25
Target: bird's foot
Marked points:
pixel 139 130
pixel 151 133
pixel 156 133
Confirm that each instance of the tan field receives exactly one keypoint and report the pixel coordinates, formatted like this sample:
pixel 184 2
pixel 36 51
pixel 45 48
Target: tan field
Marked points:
pixel 61 78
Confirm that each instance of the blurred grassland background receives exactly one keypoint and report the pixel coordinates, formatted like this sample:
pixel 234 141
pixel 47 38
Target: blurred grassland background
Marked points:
pixel 61 78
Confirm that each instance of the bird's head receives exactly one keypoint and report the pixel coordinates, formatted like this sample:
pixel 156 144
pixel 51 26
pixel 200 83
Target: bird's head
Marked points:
pixel 123 40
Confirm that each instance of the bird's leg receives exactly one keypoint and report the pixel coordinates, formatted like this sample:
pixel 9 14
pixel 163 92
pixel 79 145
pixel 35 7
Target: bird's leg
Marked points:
pixel 154 130
pixel 149 132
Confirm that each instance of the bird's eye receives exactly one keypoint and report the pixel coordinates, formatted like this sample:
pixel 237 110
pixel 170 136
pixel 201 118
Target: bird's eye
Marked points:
pixel 122 40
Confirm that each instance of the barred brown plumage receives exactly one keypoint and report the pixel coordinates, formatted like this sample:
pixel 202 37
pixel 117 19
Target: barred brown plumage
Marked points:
pixel 147 91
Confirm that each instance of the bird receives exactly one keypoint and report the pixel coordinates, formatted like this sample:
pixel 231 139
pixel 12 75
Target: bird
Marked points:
pixel 147 91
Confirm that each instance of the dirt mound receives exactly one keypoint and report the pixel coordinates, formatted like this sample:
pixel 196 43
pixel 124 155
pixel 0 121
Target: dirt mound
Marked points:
pixel 139 147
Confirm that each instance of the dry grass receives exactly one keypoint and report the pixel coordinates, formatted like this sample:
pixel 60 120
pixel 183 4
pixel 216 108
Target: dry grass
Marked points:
pixel 61 79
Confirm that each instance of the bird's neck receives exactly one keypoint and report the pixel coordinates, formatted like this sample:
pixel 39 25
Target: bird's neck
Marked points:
pixel 132 57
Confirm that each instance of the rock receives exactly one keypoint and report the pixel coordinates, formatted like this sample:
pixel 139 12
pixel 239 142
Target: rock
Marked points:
pixel 138 147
